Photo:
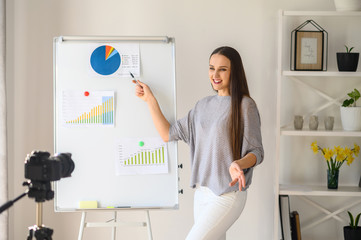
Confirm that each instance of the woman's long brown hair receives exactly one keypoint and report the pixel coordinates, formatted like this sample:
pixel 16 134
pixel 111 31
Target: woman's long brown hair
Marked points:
pixel 238 89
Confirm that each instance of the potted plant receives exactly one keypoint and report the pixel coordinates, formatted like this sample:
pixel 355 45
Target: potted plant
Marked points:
pixel 353 231
pixel 335 157
pixel 350 113
pixel 347 61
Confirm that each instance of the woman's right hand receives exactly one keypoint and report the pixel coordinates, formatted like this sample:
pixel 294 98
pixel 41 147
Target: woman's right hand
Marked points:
pixel 143 91
pixel 160 122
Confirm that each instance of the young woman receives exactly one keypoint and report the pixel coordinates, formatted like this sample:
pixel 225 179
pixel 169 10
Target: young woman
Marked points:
pixel 223 132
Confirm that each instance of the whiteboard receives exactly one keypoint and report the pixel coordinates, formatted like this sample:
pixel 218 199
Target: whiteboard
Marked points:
pixel 94 148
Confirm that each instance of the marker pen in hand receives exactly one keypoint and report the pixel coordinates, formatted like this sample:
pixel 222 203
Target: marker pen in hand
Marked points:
pixel 134 80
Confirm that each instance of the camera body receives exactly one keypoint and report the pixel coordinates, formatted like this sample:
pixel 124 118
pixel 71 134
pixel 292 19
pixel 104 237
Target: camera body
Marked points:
pixel 41 169
pixel 39 166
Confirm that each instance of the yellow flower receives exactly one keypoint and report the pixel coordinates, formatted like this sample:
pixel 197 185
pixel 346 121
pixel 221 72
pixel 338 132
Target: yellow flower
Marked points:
pixel 350 160
pixel 314 147
pixel 328 153
pixel 348 152
pixel 337 153
pixel 340 154
pixel 356 149
pixel 338 149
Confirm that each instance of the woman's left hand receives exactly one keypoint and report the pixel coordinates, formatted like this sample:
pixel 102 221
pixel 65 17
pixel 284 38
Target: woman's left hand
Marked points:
pixel 237 175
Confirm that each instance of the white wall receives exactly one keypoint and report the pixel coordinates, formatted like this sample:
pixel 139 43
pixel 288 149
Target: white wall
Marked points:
pixel 199 26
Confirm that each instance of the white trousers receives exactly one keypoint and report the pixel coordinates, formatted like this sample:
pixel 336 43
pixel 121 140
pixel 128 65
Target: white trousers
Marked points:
pixel 214 215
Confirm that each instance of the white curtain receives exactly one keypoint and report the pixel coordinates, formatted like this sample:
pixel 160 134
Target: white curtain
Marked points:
pixel 3 148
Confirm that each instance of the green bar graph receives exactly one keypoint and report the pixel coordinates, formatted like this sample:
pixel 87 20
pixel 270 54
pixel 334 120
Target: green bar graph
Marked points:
pixel 146 158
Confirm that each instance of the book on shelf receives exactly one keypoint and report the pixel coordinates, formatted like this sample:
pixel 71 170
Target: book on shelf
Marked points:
pixel 295 226
pixel 284 202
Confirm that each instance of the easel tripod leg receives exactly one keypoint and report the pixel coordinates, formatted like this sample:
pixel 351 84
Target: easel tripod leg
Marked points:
pixel 114 229
pixel 82 226
pixel 149 227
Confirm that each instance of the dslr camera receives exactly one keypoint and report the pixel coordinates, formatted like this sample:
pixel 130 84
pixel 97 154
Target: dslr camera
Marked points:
pixel 41 169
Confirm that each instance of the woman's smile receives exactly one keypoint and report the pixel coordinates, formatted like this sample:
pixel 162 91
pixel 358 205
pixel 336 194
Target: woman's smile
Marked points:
pixel 217 81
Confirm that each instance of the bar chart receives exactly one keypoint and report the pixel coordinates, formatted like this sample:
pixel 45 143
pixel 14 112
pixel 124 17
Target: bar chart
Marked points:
pixel 141 156
pixel 146 157
pixel 88 108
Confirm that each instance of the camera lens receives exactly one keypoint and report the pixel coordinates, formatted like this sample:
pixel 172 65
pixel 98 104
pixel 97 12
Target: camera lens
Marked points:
pixel 67 165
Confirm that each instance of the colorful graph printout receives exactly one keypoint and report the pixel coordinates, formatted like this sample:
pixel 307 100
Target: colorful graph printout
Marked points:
pixel 88 108
pixel 141 156
pixel 105 60
pixel 115 60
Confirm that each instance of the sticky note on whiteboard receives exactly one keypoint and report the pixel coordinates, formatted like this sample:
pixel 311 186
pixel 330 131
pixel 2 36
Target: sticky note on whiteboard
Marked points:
pixel 88 204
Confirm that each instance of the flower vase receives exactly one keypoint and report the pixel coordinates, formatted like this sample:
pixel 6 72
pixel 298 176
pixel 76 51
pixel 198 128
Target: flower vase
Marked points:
pixel 332 178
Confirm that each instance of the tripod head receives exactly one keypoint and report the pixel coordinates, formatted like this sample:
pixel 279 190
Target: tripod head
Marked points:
pixel 39 190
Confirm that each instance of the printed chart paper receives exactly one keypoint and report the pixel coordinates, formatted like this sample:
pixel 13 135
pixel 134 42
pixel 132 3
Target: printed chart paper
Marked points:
pixel 115 60
pixel 141 156
pixel 88 109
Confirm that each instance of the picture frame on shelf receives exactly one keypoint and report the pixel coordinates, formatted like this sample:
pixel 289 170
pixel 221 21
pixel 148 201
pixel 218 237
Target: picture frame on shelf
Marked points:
pixel 309 50
pixel 309 47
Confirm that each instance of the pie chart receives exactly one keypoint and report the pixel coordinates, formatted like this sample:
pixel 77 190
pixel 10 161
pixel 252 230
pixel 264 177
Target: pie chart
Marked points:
pixel 105 60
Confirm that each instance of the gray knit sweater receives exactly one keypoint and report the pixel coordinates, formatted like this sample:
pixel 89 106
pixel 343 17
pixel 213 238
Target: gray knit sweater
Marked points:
pixel 205 130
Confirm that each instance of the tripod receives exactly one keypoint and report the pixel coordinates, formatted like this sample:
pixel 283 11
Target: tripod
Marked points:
pixel 39 230
pixel 41 191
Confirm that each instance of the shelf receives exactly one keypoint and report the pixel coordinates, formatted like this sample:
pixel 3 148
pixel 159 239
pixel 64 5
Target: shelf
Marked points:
pixel 323 13
pixel 320 74
pixel 320 133
pixel 309 190
pixel 304 81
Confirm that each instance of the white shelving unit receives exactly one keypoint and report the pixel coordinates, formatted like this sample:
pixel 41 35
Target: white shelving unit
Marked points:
pixel 321 13
pixel 319 133
pixel 320 74
pixel 287 130
pixel 310 190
